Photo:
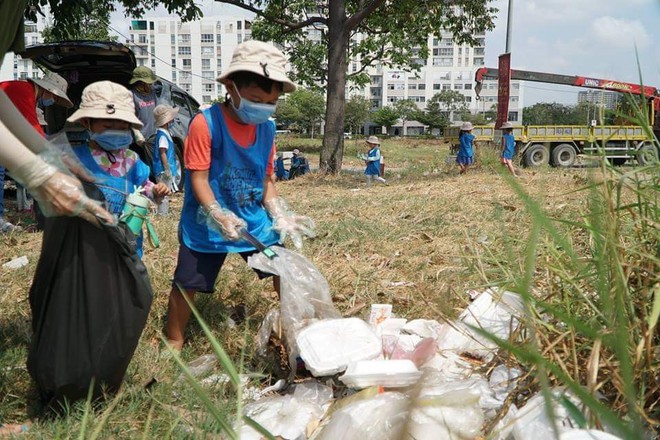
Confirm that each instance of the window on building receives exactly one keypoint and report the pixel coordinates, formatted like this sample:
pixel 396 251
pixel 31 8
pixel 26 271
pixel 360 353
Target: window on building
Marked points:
pixel 239 38
pixel 353 67
pixel 248 25
pixel 142 39
pixel 140 61
pixel 230 28
pixel 447 41
pixel 436 42
pixel 24 75
pixel 458 86
pixel 479 51
pixel 151 25
pixel 206 98
pixel 437 86
pixel 174 75
pixel 219 64
pixel 173 62
pixel 442 61
pixel 218 39
pixel 468 99
pixel 207 51
pixel 467 86
pixel 412 86
pixel 446 86
pixel 186 63
pixel 208 74
pixel 421 87
pixel 35 74
pixel 239 25
pixel 478 61
pixel 30 28
pixel 480 42
pixel 207 38
pixel 206 64
pixel 513 116
pixel 35 40
pixel 173 39
pixel 153 63
pixel 184 38
pixel 184 50
pixel 187 87
pixel 513 98
pixel 209 88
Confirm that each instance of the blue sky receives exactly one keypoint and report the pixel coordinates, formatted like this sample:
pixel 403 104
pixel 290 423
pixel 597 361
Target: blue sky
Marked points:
pixel 593 38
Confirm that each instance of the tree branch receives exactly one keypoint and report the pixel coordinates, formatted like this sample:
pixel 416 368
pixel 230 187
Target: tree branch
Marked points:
pixel 354 20
pixel 290 25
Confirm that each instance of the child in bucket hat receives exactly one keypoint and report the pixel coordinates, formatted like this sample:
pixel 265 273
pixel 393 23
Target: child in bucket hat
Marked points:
pixel 164 163
pixel 228 188
pixel 372 161
pixel 465 156
pixel 108 112
pixel 508 147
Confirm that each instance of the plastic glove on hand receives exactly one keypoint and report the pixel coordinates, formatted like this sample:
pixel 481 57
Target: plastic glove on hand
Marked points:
pixel 59 193
pixel 224 221
pixel 288 223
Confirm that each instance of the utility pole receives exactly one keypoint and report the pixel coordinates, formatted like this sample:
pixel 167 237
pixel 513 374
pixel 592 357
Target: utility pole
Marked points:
pixel 509 20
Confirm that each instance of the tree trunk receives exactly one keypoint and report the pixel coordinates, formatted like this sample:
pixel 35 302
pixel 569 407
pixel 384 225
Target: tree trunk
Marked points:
pixel 332 152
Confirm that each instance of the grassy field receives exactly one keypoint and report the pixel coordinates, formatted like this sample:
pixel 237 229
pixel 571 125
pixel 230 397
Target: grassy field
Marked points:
pixel 420 243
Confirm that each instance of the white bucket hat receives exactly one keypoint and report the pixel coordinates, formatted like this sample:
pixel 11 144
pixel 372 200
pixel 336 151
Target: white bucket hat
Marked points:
pixel 506 125
pixel 164 113
pixel 467 126
pixel 56 85
pixel 261 58
pixel 373 140
pixel 106 100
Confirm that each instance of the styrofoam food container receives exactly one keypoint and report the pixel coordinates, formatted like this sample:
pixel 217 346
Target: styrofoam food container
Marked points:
pixel 330 345
pixel 587 434
pixel 393 373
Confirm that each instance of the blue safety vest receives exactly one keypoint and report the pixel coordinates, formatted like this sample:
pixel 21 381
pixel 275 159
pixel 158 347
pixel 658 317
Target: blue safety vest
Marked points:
pixel 373 166
pixel 171 153
pixel 236 177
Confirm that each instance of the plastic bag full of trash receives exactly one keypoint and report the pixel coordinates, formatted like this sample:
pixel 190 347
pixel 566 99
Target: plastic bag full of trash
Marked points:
pixel 304 293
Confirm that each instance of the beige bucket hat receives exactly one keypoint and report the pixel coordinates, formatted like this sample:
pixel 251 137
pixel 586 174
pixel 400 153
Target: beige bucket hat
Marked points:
pixel 56 85
pixel 261 58
pixel 143 74
pixel 164 113
pixel 373 140
pixel 506 125
pixel 467 126
pixel 106 100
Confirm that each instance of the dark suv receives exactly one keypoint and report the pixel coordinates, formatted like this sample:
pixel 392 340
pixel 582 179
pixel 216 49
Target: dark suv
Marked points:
pixel 84 62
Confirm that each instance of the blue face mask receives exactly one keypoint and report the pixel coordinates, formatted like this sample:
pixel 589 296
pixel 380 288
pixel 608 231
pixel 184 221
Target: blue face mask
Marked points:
pixel 253 112
pixel 111 140
pixel 46 102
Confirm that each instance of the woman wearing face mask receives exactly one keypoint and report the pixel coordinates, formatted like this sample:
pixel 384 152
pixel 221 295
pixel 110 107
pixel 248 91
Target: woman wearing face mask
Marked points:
pixel 108 112
pixel 229 163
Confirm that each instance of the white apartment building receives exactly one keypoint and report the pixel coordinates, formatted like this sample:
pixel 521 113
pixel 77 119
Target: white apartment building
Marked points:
pixel 600 98
pixel 192 54
pixel 449 66
pixel 13 66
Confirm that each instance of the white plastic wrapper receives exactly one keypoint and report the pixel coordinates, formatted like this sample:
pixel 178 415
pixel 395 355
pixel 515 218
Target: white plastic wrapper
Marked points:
pixel 304 294
pixel 283 416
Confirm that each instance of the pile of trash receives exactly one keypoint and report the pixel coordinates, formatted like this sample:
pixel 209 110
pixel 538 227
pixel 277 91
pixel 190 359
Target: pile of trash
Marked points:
pixel 391 378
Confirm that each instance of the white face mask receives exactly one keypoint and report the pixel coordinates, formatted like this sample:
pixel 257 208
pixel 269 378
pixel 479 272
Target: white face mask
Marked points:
pixel 253 112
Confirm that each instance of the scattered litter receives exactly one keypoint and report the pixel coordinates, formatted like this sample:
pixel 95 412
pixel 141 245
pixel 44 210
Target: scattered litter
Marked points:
pixel 379 313
pixel 503 380
pixel 532 421
pixel 587 434
pixel 283 416
pixel 16 263
pixel 385 373
pixel 202 365
pixel 401 284
pixel 329 346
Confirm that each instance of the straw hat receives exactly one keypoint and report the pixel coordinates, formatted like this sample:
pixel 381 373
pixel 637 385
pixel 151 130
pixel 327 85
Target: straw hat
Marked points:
pixel 143 74
pixel 163 114
pixel 261 58
pixel 296 151
pixel 106 100
pixel 56 85
pixel 506 125
pixel 467 126
pixel 373 140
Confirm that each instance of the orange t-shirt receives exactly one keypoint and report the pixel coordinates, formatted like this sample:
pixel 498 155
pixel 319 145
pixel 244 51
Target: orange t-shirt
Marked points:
pixel 197 149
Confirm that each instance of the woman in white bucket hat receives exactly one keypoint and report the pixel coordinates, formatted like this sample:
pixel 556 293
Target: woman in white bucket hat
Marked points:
pixel 107 111
pixel 229 155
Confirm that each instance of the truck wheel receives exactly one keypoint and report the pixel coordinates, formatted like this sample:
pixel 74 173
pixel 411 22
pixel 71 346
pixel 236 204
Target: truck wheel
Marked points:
pixel 647 154
pixel 564 155
pixel 535 156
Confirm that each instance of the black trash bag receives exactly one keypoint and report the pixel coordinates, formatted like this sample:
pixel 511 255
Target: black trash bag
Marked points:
pixel 90 299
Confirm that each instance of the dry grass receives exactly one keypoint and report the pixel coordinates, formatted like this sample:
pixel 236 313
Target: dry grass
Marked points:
pixel 420 243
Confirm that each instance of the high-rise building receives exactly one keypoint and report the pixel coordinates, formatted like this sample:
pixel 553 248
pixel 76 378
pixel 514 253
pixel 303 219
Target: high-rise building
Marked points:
pixel 602 98
pixel 13 66
pixel 191 54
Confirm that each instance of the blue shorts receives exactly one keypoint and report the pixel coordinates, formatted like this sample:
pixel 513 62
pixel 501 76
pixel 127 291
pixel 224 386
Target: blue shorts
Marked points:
pixel 465 160
pixel 507 155
pixel 199 270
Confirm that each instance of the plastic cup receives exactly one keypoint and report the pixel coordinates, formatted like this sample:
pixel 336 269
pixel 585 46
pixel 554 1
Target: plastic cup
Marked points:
pixel 135 212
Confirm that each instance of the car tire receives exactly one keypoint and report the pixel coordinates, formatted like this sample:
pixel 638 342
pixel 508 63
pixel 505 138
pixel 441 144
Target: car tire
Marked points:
pixel 564 156
pixel 536 156
pixel 647 154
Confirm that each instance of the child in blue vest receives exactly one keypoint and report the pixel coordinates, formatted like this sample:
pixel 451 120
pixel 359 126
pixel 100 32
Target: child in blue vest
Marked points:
pixel 508 147
pixel 164 154
pixel 107 111
pixel 229 156
pixel 372 161
pixel 465 156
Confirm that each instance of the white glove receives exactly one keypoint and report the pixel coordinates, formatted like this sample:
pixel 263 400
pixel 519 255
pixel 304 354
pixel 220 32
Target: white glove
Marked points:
pixel 221 220
pixel 58 193
pixel 288 223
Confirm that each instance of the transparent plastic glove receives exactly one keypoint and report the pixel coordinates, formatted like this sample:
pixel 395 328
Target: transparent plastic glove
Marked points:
pixel 288 223
pixel 58 193
pixel 221 220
